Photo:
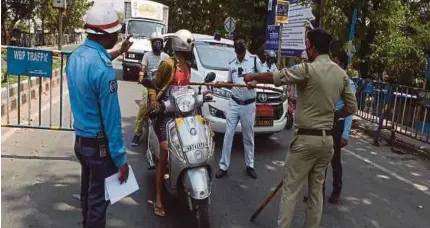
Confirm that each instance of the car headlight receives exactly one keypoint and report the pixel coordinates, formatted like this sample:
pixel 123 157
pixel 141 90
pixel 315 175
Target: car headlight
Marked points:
pixel 185 103
pixel 219 92
pixel 284 95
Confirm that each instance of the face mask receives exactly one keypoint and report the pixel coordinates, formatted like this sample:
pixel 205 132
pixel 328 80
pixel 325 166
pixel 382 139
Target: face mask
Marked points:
pixel 113 38
pixel 239 49
pixel 187 55
pixel 157 48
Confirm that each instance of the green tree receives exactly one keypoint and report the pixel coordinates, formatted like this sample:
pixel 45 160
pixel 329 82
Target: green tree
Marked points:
pixel 120 16
pixel 390 35
pixel 73 15
pixel 12 12
pixel 207 17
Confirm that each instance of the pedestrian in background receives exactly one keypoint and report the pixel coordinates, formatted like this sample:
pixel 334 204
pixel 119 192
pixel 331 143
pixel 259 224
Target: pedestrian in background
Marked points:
pixel 271 61
pixel 241 107
pixel 93 87
pixel 319 85
pixel 342 129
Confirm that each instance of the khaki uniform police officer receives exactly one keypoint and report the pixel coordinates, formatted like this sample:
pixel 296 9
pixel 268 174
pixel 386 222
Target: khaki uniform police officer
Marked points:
pixel 320 84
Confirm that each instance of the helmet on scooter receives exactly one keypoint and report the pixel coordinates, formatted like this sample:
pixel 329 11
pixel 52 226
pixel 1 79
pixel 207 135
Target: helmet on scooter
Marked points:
pixel 182 41
pixel 102 20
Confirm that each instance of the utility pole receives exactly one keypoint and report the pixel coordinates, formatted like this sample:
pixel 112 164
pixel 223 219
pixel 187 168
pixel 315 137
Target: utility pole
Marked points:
pixel 60 28
pixel 427 51
pixel 61 5
pixel 322 12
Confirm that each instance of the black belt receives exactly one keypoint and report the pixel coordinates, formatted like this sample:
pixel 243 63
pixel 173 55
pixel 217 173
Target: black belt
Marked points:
pixel 240 102
pixel 89 142
pixel 314 132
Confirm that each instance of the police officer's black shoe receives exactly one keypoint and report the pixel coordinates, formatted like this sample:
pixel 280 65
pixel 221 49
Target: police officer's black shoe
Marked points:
pixel 251 172
pixel 221 173
pixel 135 141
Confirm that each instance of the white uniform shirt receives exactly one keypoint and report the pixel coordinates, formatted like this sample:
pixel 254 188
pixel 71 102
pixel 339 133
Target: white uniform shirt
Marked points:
pixel 273 68
pixel 151 61
pixel 237 70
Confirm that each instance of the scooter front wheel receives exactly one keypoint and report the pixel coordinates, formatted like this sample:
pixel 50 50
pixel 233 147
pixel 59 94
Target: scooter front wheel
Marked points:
pixel 201 212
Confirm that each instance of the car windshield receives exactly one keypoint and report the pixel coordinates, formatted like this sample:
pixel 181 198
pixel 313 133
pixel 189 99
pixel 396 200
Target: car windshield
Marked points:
pixel 215 56
pixel 144 28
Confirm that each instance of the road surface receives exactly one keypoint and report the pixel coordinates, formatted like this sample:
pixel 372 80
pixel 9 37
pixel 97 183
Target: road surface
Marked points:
pixel 40 174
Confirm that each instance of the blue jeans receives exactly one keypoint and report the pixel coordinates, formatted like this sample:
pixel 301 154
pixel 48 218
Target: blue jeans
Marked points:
pixel 95 167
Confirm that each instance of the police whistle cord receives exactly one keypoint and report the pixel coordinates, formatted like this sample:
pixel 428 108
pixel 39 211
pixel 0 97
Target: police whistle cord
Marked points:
pixel 226 84
pixel 266 201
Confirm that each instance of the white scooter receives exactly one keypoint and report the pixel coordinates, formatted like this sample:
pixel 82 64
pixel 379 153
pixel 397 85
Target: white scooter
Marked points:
pixel 190 148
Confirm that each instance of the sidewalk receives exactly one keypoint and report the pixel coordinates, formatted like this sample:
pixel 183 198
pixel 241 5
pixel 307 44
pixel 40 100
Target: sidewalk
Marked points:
pixel 401 141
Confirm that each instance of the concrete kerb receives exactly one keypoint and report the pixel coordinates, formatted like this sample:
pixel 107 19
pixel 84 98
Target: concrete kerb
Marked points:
pixel 410 145
pixel 34 91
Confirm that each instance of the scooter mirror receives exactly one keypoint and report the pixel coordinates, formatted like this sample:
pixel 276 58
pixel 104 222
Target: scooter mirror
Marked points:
pixel 210 77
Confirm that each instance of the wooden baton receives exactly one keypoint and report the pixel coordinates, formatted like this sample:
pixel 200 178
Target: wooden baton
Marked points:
pixel 226 84
pixel 266 201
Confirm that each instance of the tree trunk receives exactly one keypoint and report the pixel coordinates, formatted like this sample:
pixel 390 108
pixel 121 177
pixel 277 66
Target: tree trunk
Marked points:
pixel 43 32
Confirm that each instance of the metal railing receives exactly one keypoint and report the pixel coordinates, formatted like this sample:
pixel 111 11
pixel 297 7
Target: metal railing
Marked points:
pixel 400 109
pixel 33 91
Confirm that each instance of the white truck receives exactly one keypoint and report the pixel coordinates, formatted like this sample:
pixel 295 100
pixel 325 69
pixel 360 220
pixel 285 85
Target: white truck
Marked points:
pixel 142 18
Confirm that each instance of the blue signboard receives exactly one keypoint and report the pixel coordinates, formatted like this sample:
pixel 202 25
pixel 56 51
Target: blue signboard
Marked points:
pixel 272 38
pixel 29 62
pixel 272 32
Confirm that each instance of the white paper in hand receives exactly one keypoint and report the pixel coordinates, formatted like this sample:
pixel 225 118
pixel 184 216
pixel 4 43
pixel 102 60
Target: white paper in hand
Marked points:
pixel 114 191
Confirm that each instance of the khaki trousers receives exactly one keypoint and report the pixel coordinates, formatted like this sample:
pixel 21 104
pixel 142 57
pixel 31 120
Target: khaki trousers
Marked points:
pixel 139 120
pixel 308 159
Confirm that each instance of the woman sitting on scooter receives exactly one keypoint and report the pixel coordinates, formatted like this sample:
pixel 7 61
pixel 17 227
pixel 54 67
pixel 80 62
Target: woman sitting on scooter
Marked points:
pixel 174 71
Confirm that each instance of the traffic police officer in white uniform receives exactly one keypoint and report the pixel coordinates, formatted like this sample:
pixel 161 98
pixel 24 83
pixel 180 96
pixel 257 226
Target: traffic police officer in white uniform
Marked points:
pixel 271 61
pixel 241 108
pixel 92 84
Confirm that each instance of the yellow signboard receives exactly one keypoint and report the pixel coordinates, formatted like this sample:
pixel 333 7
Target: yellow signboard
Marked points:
pixel 282 12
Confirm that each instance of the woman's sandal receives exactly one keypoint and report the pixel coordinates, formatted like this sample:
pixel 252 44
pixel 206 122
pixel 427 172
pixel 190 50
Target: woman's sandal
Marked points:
pixel 159 210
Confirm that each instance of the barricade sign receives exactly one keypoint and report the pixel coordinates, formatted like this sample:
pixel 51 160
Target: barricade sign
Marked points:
pixel 29 62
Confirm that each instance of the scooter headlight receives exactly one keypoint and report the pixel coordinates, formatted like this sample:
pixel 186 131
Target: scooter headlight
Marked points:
pixel 284 95
pixel 185 103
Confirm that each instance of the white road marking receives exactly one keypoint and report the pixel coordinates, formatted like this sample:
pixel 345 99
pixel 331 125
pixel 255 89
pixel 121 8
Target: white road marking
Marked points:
pixel 419 187
pixel 33 116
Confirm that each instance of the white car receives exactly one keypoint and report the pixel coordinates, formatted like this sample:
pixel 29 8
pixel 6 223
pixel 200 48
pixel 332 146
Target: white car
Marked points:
pixel 214 55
